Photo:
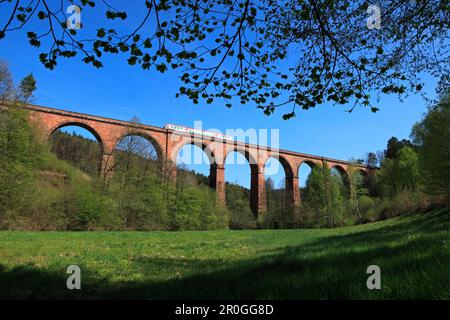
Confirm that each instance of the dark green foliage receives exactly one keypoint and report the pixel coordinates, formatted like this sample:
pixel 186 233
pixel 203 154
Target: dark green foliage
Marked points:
pixel 137 195
pixel 38 191
pixel 371 184
pixel 85 208
pixel 281 214
pixel 17 159
pixel 432 135
pixel 147 201
pixel 19 148
pixel 196 208
pixel 394 146
pixel 371 160
pixel 324 195
pixel 83 153
pixel 400 173
pixel 238 203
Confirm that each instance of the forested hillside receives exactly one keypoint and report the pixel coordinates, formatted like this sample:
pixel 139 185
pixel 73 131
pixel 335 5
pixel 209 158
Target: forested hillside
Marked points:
pixel 84 153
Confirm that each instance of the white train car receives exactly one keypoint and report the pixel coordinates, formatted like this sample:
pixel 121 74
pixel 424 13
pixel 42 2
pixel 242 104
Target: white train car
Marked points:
pixel 176 127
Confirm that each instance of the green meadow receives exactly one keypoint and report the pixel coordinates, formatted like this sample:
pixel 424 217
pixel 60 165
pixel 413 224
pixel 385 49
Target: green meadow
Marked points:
pixel 413 253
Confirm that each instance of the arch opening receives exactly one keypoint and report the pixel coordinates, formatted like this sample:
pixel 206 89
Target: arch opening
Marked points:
pixel 304 171
pixel 78 144
pixel 359 178
pixel 140 142
pixel 279 197
pixel 73 126
pixel 362 172
pixel 238 169
pixel 240 188
pixel 275 174
pixel 136 154
pixel 343 179
pixel 360 184
pixel 194 165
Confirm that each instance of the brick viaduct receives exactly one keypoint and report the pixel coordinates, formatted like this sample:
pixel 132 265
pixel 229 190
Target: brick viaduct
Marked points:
pixel 168 143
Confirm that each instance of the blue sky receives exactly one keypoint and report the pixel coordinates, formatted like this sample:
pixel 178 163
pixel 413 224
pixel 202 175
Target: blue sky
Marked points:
pixel 121 91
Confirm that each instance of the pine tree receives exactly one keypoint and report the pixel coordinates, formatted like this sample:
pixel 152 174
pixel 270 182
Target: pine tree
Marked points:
pixel 26 88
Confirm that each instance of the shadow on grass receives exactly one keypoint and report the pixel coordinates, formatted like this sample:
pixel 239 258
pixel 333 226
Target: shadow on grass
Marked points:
pixel 413 256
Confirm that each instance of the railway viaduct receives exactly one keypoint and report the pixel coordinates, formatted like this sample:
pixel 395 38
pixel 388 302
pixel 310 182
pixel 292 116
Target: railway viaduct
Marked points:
pixel 168 142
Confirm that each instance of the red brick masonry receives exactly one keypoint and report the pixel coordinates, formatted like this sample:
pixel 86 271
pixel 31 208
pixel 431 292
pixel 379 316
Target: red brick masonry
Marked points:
pixel 168 142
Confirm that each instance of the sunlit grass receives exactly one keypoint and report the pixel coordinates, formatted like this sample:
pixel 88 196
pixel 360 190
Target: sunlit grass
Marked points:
pixel 413 253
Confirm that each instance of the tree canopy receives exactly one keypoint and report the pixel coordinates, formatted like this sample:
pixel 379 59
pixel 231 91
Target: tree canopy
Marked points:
pixel 293 53
pixel 432 135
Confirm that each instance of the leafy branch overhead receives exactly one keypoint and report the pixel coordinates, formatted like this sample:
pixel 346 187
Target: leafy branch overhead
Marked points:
pixel 272 53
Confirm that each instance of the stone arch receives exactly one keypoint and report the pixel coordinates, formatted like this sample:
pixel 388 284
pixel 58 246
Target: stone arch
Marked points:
pixel 288 170
pixel 292 193
pixel 81 125
pixel 344 176
pixel 257 180
pixel 362 172
pixel 252 160
pixel 310 163
pixel 302 179
pixel 135 143
pixel 274 170
pixel 77 163
pixel 216 179
pixel 340 169
pixel 205 147
pixel 359 177
pixel 146 136
pixel 284 198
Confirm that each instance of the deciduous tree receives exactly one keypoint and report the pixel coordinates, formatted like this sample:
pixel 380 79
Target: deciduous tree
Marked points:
pixel 432 135
pixel 270 53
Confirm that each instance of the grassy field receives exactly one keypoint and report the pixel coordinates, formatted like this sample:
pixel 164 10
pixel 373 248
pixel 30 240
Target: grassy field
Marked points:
pixel 413 253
